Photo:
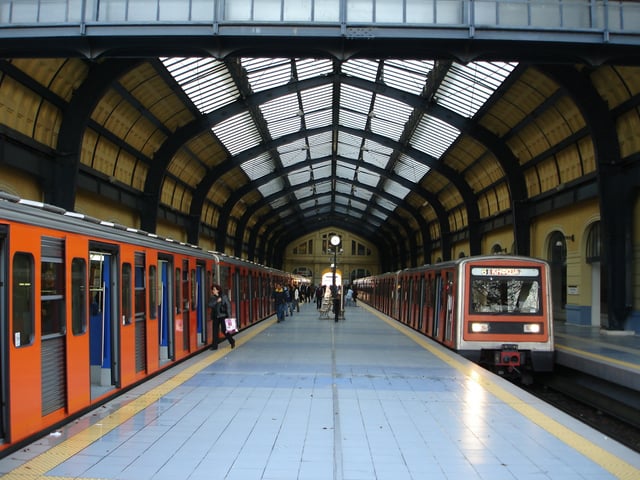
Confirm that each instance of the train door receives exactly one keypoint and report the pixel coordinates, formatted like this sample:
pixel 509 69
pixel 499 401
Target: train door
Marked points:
pixel 4 332
pixel 449 318
pixel 103 319
pixel 167 321
pixel 437 306
pixel 236 295
pixel 140 312
pixel 201 304
pixel 421 302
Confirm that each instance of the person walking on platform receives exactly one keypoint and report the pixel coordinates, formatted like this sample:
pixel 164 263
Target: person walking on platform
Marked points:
pixel 220 308
pixel 280 301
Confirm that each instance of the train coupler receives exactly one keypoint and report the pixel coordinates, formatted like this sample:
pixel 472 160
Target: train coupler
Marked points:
pixel 508 356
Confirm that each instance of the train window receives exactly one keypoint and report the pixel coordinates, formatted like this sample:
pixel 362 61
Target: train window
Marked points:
pixel 52 287
pixel 178 286
pixel 153 291
pixel 186 294
pixel 78 296
pixel 126 293
pixel 194 298
pixel 498 291
pixel 22 299
pixel 140 287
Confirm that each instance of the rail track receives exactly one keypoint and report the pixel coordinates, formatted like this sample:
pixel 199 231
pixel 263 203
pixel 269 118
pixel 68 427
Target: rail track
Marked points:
pixel 609 408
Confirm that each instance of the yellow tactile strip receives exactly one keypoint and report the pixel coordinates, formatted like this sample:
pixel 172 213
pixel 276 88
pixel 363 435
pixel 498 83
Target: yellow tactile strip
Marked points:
pixel 36 468
pixel 595 356
pixel 613 464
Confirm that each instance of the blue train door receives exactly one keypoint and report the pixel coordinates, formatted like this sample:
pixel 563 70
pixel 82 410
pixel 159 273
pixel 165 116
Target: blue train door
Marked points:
pixel 4 330
pixel 166 314
pixel 201 304
pixel 103 320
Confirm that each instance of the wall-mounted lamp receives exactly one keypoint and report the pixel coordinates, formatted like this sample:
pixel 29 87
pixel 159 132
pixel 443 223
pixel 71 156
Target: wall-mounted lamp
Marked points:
pixel 570 237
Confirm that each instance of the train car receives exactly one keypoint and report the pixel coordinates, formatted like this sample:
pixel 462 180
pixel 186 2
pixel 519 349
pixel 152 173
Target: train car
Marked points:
pixel 494 310
pixel 89 309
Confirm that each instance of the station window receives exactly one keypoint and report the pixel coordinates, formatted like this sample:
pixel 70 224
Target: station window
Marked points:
pixel 78 296
pixel 52 287
pixel 22 299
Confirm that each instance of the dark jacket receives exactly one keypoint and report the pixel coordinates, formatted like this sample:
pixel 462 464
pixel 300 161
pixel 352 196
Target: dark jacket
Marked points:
pixel 220 306
pixel 278 296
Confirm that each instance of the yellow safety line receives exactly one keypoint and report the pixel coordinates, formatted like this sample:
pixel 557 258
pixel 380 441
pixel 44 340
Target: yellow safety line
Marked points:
pixel 596 356
pixel 613 464
pixel 36 468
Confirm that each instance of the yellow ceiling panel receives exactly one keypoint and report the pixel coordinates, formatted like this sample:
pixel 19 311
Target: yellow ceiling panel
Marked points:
pixel 186 168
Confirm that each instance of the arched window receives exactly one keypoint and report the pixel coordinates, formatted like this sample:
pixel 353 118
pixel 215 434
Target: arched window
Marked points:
pixel 594 246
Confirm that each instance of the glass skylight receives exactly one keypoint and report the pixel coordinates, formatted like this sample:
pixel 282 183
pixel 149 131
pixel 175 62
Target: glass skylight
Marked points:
pixel 338 130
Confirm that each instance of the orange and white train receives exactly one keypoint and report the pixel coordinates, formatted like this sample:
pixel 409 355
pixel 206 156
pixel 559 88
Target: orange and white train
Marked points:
pixel 89 309
pixel 495 310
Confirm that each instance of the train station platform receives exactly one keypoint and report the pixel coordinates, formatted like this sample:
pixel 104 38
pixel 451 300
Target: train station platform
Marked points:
pixel 613 356
pixel 309 398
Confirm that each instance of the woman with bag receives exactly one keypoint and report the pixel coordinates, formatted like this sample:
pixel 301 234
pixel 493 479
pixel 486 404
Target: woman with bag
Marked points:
pixel 220 308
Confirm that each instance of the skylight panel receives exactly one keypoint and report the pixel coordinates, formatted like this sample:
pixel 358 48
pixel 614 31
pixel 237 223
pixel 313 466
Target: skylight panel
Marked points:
pixel 293 153
pixel 351 119
pixel 466 88
pixel 322 188
pixel 358 205
pixel 407 75
pixel 322 170
pixel 354 98
pixel 311 67
pixel 343 187
pixel 257 167
pixel 410 168
pixel 345 170
pixel 299 176
pixel 316 106
pixel 348 150
pixel 282 115
pixel 266 73
pixel 376 154
pixel 274 186
pixel 379 213
pixel 319 119
pixel 394 188
pixel 320 145
pixel 207 82
pixel 433 136
pixel 386 204
pixel 361 68
pixel 367 177
pixel 305 204
pixel 389 117
pixel 237 133
pixel 316 98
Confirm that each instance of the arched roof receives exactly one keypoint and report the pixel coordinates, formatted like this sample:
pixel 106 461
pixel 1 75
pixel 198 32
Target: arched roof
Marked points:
pixel 414 154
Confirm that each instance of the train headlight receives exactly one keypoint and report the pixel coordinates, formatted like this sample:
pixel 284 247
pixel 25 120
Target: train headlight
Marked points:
pixel 531 328
pixel 477 327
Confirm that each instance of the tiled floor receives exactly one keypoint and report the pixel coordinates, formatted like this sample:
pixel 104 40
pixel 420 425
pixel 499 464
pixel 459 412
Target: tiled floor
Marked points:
pixel 309 399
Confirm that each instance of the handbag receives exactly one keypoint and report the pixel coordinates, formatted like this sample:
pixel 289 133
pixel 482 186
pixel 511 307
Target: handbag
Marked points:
pixel 231 325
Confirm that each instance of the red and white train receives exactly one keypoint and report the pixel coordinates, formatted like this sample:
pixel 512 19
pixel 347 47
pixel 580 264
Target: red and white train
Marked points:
pixel 89 309
pixel 494 310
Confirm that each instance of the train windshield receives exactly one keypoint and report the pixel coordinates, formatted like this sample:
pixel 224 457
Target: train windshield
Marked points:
pixel 503 290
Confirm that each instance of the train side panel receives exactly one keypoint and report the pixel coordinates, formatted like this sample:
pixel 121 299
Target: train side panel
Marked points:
pixel 24 359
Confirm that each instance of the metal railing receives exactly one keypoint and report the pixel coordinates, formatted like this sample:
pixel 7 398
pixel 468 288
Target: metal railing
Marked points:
pixel 568 15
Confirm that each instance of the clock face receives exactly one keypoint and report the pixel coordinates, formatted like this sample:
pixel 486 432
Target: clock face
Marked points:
pixel 335 240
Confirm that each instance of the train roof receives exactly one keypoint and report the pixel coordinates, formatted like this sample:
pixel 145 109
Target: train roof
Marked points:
pixel 31 212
